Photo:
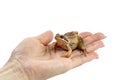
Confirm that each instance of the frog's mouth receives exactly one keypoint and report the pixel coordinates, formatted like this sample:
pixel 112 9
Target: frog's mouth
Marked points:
pixel 63 37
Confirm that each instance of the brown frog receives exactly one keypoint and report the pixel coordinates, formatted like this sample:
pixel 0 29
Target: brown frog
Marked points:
pixel 70 41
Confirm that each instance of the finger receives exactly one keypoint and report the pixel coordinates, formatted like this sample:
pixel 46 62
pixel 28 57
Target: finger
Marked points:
pixel 85 34
pixel 45 37
pixel 79 60
pixel 94 46
pixel 93 38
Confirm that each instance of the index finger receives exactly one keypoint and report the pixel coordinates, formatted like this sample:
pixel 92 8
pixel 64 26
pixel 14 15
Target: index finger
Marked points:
pixel 85 34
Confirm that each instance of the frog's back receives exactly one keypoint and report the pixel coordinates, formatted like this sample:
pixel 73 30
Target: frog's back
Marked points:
pixel 72 38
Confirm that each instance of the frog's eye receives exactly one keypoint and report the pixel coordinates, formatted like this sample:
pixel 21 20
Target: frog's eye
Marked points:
pixel 61 36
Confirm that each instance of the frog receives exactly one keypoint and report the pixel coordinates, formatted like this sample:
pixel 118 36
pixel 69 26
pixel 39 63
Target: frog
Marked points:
pixel 70 41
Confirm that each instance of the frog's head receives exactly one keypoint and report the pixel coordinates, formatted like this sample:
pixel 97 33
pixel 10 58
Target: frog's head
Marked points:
pixel 60 37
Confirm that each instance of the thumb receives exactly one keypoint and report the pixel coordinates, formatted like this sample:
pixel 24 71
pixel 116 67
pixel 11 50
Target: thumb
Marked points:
pixel 45 38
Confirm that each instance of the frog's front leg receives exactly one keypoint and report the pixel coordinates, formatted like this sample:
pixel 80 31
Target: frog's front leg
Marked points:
pixel 68 54
pixel 54 47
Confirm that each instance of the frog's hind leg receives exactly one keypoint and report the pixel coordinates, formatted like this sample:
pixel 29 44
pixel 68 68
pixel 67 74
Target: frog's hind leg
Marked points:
pixel 68 54
pixel 82 46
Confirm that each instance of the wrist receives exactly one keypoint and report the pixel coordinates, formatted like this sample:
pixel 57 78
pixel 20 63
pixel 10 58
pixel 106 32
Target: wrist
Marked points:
pixel 13 71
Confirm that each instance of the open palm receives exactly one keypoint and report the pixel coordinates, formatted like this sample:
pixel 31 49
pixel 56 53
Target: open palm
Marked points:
pixel 40 61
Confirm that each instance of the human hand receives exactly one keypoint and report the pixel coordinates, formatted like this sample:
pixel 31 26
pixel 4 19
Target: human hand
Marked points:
pixel 40 62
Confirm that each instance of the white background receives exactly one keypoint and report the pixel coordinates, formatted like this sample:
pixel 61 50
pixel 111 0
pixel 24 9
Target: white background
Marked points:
pixel 23 18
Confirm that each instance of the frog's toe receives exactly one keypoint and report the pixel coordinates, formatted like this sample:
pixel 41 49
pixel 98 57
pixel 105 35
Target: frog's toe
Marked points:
pixel 67 55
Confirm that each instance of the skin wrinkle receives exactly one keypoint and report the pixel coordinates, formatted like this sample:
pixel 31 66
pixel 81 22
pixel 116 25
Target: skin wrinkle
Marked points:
pixel 24 65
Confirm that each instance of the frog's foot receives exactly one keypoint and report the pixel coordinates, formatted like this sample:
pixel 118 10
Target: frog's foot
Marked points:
pixel 85 52
pixel 67 55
